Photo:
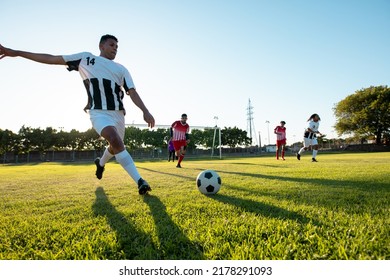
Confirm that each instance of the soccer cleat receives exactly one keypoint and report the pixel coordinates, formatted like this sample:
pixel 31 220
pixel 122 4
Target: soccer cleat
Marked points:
pixel 99 169
pixel 298 156
pixel 143 187
pixel 178 166
pixel 314 160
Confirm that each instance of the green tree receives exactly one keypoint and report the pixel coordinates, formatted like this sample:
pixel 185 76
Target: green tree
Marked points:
pixel 91 140
pixel 364 113
pixel 133 137
pixel 25 141
pixel 234 137
pixel 8 142
pixel 196 138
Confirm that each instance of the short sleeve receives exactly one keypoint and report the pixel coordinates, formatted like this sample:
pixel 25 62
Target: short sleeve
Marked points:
pixel 127 80
pixel 73 60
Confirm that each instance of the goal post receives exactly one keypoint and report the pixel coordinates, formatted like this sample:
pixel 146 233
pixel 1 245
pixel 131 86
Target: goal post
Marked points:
pixel 219 142
pixel 217 134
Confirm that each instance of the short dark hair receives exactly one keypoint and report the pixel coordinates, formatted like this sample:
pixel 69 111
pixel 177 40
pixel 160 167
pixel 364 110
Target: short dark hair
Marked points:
pixel 106 37
pixel 184 115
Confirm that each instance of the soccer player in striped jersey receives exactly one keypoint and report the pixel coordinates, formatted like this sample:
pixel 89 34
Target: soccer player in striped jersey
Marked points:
pixel 106 83
pixel 280 132
pixel 180 137
pixel 310 137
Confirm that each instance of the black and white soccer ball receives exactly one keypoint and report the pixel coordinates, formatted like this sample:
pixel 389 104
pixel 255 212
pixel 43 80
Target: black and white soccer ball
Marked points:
pixel 208 182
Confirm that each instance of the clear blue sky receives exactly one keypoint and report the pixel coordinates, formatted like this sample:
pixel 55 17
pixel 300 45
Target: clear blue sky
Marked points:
pixel 206 58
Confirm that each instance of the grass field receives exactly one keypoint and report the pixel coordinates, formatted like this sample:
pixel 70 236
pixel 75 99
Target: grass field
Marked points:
pixel 337 208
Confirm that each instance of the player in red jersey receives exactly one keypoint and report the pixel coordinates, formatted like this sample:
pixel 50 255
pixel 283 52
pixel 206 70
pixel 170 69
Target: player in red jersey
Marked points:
pixel 280 132
pixel 179 136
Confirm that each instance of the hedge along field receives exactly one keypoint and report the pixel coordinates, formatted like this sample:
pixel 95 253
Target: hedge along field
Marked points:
pixel 337 208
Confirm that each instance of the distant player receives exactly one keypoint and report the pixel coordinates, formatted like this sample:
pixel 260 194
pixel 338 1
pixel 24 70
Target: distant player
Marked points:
pixel 171 151
pixel 280 132
pixel 180 137
pixel 106 83
pixel 310 137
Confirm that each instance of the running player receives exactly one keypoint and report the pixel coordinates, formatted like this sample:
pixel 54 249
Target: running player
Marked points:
pixel 180 137
pixel 106 83
pixel 310 137
pixel 280 132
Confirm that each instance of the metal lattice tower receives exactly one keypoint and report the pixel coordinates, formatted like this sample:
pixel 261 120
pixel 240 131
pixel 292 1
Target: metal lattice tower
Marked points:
pixel 250 123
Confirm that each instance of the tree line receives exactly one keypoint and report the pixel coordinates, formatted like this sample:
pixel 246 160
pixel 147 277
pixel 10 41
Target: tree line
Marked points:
pixel 362 115
pixel 49 139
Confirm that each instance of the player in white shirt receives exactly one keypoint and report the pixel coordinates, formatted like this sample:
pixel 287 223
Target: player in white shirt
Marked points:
pixel 106 83
pixel 310 137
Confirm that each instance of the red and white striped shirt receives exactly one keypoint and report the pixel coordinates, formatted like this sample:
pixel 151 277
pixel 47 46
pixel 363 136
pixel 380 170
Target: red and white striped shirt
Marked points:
pixel 179 130
pixel 280 133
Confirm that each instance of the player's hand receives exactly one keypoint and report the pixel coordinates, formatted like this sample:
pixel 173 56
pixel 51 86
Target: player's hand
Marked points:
pixel 6 52
pixel 149 119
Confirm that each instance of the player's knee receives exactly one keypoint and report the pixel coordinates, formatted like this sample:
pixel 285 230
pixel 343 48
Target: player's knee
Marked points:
pixel 116 144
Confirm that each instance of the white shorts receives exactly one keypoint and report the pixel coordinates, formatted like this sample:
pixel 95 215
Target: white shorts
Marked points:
pixel 309 142
pixel 103 118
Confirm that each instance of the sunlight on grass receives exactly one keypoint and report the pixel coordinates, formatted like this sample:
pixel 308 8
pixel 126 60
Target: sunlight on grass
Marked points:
pixel 337 208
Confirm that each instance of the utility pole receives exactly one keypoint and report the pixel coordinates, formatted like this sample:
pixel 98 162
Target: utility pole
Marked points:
pixel 250 123
pixel 267 122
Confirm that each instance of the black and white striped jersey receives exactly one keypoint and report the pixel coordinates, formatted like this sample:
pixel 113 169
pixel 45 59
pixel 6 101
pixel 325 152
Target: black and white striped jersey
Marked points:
pixel 105 80
pixel 313 127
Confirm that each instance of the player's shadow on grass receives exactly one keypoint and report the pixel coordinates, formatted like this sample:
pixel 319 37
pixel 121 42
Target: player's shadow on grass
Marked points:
pixel 133 242
pixel 330 183
pixel 174 244
pixel 263 209
pixel 166 173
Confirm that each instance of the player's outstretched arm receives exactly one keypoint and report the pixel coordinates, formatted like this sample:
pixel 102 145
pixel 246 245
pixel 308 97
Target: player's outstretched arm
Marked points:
pixel 140 104
pixel 38 57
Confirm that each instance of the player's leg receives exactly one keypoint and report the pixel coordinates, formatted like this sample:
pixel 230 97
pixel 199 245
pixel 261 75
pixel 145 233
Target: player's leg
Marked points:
pixel 101 119
pixel 277 150
pixel 123 157
pixel 315 150
pixel 107 155
pixel 101 162
pixel 172 154
pixel 283 149
pixel 117 147
pixel 306 144
pixel 178 151
pixel 181 157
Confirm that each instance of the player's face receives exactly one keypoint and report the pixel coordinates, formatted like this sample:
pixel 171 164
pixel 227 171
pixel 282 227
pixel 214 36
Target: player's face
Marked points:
pixel 109 49
pixel 183 119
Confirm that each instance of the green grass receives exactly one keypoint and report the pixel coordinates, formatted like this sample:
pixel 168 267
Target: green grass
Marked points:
pixel 337 208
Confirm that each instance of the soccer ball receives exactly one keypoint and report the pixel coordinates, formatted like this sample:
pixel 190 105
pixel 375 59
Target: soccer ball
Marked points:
pixel 208 182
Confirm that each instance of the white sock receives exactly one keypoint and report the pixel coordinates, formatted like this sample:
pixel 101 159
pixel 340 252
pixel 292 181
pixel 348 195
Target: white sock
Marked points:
pixel 301 150
pixel 125 159
pixel 105 157
pixel 315 153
